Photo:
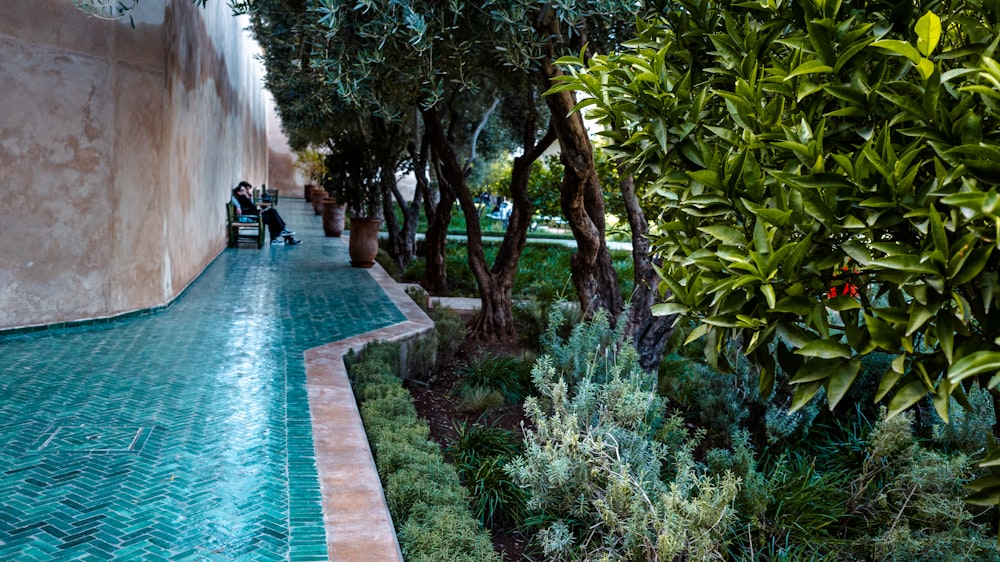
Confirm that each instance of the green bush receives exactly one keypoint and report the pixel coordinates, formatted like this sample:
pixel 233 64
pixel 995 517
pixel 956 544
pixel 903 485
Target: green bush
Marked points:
pixel 429 484
pixel 912 499
pixel 480 454
pixel 592 464
pixel 488 371
pixel 827 178
pixel 967 431
pixel 428 503
pixel 450 330
pixel 439 533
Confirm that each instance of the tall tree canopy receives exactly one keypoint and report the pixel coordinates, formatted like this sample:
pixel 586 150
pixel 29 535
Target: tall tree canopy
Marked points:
pixel 390 58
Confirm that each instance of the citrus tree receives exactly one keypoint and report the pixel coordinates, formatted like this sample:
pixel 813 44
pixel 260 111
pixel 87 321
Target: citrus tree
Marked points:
pixel 826 173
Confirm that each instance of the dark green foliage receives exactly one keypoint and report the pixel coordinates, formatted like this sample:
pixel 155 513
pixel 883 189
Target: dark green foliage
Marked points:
pixel 967 431
pixel 494 372
pixel 912 498
pixel 804 504
pixel 450 331
pixel 827 180
pixel 480 453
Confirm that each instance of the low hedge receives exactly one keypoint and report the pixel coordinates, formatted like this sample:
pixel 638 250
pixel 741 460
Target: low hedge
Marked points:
pixel 428 503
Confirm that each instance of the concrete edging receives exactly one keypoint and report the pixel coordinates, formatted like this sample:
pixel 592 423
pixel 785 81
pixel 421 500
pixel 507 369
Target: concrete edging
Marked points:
pixel 357 520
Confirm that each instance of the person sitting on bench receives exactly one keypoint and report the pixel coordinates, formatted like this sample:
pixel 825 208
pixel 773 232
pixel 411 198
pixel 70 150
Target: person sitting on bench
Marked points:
pixel 268 215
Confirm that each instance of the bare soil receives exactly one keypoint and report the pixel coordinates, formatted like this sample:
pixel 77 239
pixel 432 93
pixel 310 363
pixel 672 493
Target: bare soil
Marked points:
pixel 439 405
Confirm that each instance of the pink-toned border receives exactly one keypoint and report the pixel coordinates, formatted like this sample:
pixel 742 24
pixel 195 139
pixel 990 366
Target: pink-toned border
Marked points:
pixel 358 524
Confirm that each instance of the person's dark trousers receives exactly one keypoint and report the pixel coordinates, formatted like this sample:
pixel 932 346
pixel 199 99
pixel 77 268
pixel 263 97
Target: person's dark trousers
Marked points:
pixel 273 221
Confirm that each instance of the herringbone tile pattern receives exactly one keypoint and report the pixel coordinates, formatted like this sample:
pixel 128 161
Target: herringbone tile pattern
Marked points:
pixel 182 434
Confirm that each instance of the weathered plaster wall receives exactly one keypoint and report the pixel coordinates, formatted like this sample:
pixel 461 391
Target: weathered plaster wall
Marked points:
pixel 282 173
pixel 118 148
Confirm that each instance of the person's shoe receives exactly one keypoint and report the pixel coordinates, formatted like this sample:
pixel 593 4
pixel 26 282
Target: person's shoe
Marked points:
pixel 278 241
pixel 287 232
pixel 292 241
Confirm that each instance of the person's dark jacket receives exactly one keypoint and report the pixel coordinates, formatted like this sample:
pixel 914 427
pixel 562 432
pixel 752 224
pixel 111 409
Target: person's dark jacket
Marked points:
pixel 246 205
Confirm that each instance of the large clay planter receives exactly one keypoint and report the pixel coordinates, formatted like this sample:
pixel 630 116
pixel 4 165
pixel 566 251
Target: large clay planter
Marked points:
pixel 317 200
pixel 363 243
pixel 333 217
pixel 308 193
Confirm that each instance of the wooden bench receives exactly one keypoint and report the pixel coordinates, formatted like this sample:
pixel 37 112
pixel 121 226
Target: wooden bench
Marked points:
pixel 247 227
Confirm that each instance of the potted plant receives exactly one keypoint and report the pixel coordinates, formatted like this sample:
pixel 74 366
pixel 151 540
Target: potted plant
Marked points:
pixel 334 216
pixel 352 180
pixel 312 164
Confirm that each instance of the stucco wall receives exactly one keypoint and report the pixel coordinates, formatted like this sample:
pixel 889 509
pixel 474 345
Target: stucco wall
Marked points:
pixel 282 173
pixel 118 148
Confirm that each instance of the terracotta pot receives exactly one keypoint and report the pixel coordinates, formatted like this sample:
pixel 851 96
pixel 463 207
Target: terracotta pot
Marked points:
pixel 363 243
pixel 317 200
pixel 308 194
pixel 333 217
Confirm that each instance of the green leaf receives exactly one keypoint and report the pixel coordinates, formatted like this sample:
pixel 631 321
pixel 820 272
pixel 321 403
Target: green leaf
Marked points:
pixel 839 383
pixel 768 291
pixel 804 393
pixel 926 68
pixel 944 327
pixel 969 199
pixel 937 232
pixel 919 315
pixel 907 396
pixel 696 333
pixel 889 380
pixel 942 399
pixel 825 349
pixel 726 234
pixel 706 177
pixel 928 30
pixel 809 67
pixel 992 459
pixel 843 303
pixel 973 266
pixel 668 308
pixel 988 497
pixel 899 48
pixel 906 263
pixel 973 364
pixel 857 251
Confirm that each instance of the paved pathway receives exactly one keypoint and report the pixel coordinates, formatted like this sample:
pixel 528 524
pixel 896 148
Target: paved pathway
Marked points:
pixel 185 433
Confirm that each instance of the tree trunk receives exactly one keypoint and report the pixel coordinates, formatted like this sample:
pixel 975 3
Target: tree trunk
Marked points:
pixel 582 203
pixel 500 282
pixel 438 211
pixel 495 320
pixel 401 243
pixel 649 333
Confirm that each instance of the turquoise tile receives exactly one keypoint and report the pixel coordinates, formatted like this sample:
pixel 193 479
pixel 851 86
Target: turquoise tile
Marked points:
pixel 181 433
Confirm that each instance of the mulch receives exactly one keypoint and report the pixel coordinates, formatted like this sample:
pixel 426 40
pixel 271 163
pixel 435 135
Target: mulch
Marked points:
pixel 436 402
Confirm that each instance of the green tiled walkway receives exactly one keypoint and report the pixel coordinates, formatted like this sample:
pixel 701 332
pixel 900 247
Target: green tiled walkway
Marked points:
pixel 182 434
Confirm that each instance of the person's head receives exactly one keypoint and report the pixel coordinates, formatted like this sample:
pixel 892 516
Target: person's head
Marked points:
pixel 242 188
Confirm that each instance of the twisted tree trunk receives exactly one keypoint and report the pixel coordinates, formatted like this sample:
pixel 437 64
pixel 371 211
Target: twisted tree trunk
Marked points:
pixel 649 333
pixel 582 204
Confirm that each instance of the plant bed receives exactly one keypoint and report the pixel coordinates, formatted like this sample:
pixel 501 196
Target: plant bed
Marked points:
pixel 437 401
